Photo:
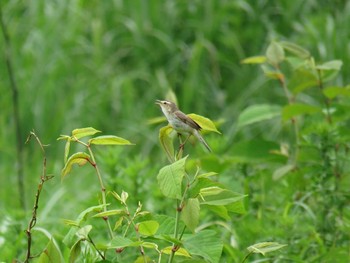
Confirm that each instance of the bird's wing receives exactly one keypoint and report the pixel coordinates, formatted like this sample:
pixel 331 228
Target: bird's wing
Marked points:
pixel 183 117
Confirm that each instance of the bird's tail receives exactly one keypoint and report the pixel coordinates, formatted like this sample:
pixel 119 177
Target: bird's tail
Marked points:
pixel 201 139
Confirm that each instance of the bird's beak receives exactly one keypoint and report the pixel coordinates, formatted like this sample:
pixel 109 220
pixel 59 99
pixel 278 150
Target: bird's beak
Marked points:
pixel 159 102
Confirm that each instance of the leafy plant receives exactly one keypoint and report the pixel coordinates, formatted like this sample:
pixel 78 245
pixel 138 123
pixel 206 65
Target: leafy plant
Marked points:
pixel 191 192
pixel 316 151
pixel 82 158
pixel 141 229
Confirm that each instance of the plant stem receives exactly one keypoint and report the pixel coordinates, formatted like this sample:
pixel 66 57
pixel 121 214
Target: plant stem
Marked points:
pixel 131 221
pixel 179 207
pixel 326 101
pixel 14 89
pixel 103 191
pixel 93 244
pixel 293 120
pixel 246 257
pixel 43 179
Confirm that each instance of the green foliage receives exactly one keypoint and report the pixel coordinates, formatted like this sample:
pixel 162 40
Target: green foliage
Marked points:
pixel 190 192
pixel 314 150
pixel 205 244
pixel 205 123
pixel 170 179
pixel 257 113
pixel 284 141
pixel 265 247
pixel 51 254
pixel 76 158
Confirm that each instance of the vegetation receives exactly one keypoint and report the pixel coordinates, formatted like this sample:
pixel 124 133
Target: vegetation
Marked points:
pixel 271 78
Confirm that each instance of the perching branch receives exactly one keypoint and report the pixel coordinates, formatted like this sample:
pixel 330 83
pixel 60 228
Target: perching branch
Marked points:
pixel 43 179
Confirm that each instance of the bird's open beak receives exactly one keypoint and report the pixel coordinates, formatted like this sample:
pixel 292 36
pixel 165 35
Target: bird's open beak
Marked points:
pixel 158 102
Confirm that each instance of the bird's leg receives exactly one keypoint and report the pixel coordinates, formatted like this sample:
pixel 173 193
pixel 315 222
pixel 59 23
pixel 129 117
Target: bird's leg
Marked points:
pixel 182 145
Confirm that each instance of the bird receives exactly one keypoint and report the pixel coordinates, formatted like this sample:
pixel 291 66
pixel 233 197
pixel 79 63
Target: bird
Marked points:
pixel 180 122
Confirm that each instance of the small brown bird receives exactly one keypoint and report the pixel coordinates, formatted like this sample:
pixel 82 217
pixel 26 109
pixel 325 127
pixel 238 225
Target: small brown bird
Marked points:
pixel 180 122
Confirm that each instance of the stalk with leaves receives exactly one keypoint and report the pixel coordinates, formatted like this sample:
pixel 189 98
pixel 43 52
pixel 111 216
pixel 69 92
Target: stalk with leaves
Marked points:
pixel 190 193
pixel 82 158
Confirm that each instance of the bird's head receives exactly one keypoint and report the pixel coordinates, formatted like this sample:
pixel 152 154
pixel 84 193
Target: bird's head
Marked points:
pixel 167 106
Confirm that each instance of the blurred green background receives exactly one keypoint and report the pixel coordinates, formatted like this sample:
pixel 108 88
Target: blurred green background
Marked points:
pixel 104 63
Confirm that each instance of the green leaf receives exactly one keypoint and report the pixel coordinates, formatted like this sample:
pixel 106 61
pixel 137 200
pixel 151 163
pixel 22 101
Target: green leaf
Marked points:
pixel 275 53
pixel 190 213
pixel 110 213
pixel 63 137
pixel 212 190
pixel 75 251
pixel 120 242
pixel 236 207
pixel 170 239
pixel 66 150
pixel 206 244
pixel 265 247
pixel 83 215
pixel 297 63
pixel 254 60
pixel 148 228
pixel 206 175
pixel 118 223
pixel 150 245
pixel 166 224
pixel 332 92
pixel 257 113
pixel 79 158
pixel 83 132
pixel 220 210
pixel 282 171
pixel 139 259
pixel 293 110
pixel 51 254
pixel 331 65
pixel 70 237
pixel 124 196
pixel 302 79
pixel 271 72
pixel 166 140
pixel 180 252
pixel 116 196
pixel 170 178
pixel 109 140
pixel 199 184
pixel 70 222
pixel 205 123
pixel 225 197
pixel 83 232
pixel 295 49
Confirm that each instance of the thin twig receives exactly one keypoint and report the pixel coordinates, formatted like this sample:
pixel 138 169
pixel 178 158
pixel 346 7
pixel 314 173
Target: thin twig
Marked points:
pixel 98 251
pixel 103 192
pixel 103 189
pixel 17 123
pixel 43 179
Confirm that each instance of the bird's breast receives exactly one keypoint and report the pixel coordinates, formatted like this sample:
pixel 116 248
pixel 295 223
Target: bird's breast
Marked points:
pixel 180 126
